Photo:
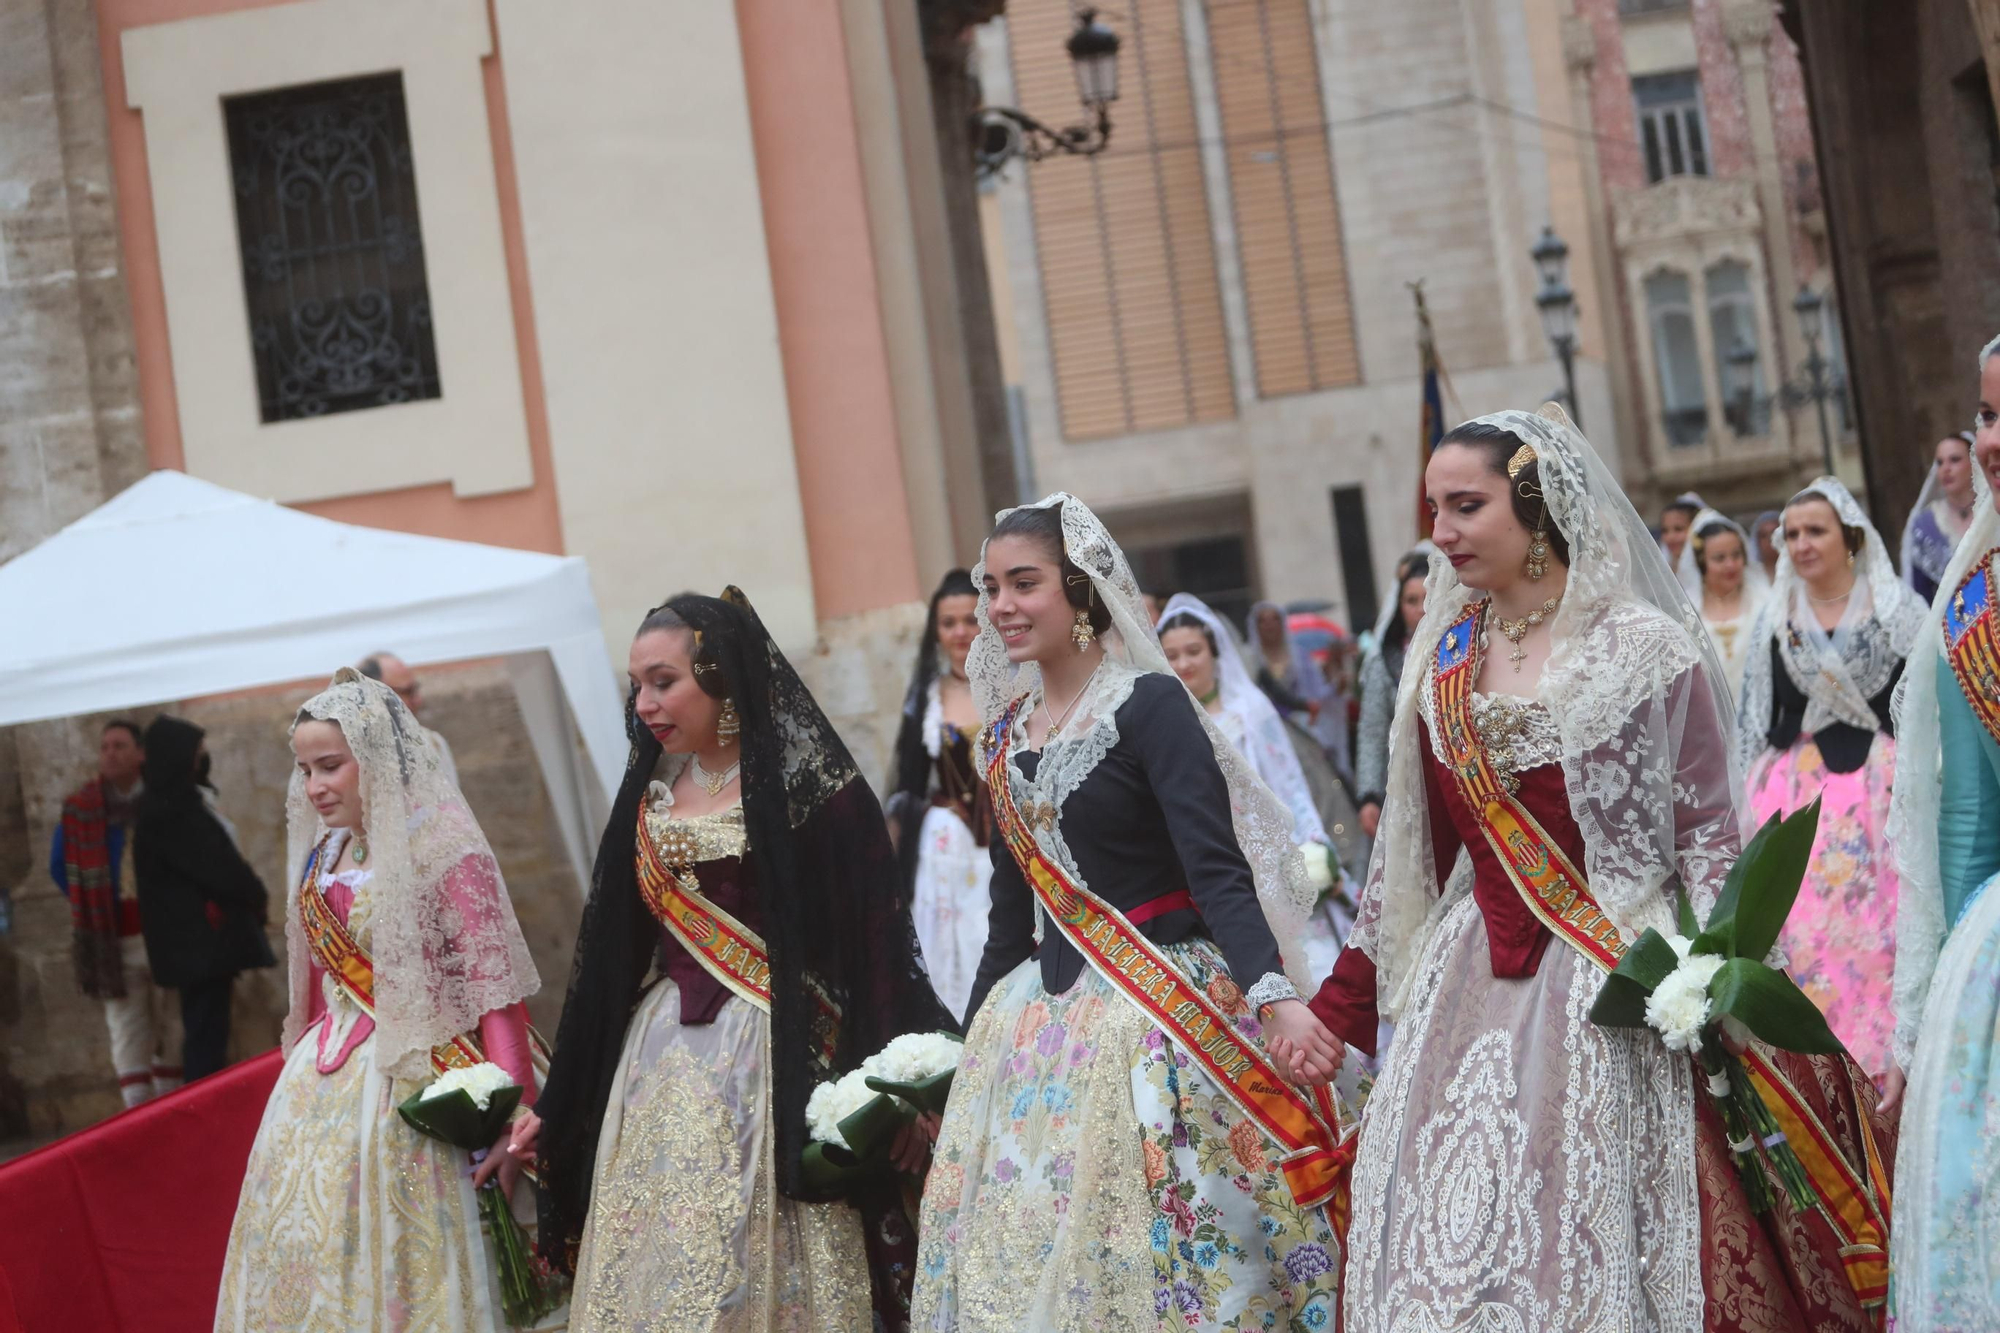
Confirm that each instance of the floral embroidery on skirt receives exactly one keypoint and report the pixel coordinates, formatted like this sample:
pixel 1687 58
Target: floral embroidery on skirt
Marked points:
pixel 1841 936
pixel 686 1229
pixel 1090 1176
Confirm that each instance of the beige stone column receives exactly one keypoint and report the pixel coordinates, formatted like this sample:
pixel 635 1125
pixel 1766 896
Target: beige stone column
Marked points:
pixel 1579 43
pixel 69 439
pixel 1747 24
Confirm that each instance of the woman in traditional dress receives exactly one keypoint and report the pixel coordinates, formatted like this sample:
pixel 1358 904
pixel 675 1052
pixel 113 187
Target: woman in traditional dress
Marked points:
pixel 1520 1167
pixel 1296 685
pixel 744 942
pixel 1727 588
pixel 1381 674
pixel 1109 1158
pixel 405 958
pixel 1946 1263
pixel 1765 534
pixel 1202 652
pixel 1677 518
pixel 1813 720
pixel 1938 521
pixel 939 814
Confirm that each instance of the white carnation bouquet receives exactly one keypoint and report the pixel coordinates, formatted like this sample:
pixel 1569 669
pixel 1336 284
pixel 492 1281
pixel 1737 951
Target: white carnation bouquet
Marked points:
pixel 853 1120
pixel 466 1108
pixel 1696 984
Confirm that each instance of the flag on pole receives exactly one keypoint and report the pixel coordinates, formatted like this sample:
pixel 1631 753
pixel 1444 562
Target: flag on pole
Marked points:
pixel 1431 419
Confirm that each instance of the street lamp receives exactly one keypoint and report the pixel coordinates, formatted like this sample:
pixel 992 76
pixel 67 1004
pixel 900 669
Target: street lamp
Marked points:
pixel 1558 306
pixel 1810 307
pixel 1742 361
pixel 1000 133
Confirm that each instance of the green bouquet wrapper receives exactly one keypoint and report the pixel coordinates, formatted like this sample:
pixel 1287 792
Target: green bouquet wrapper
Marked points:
pixel 529 1289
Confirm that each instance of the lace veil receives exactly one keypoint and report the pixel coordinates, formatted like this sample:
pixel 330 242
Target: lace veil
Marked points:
pixel 1265 742
pixel 1392 598
pixel 434 915
pixel 1262 822
pixel 1639 702
pixel 1919 789
pixel 1850 655
pixel 1755 584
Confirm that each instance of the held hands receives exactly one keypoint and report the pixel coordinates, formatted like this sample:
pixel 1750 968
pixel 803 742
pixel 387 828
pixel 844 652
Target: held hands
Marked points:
pixel 1300 1045
pixel 514 1149
pixel 1371 818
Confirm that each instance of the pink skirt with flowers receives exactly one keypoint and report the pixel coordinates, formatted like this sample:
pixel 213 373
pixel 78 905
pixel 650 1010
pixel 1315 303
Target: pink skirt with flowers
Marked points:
pixel 1841 937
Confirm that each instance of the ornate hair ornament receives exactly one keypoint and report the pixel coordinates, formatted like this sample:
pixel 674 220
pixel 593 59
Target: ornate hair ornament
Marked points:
pixel 1523 456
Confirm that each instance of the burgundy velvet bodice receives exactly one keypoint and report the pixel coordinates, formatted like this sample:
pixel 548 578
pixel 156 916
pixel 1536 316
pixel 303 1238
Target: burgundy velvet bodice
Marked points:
pixel 1515 938
pixel 731 884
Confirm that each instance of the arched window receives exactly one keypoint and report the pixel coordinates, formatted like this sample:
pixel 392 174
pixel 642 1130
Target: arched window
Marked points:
pixel 1677 358
pixel 1739 358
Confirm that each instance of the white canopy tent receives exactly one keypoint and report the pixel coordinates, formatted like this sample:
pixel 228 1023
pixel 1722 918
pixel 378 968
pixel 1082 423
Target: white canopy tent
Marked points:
pixel 179 588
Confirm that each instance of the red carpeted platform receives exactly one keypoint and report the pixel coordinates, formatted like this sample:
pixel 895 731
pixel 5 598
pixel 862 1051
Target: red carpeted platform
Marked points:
pixel 121 1228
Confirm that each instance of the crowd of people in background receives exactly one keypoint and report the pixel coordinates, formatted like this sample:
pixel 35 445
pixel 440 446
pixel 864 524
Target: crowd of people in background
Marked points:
pixel 1269 818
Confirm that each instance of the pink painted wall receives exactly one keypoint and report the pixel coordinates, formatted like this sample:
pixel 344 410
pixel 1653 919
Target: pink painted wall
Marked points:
pixel 527 519
pixel 829 314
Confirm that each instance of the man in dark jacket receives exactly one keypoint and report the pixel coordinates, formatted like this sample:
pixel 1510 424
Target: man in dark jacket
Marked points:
pixel 201 904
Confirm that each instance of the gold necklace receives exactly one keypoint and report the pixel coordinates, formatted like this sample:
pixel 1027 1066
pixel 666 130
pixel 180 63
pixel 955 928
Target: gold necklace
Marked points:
pixel 1056 723
pixel 1517 630
pixel 712 783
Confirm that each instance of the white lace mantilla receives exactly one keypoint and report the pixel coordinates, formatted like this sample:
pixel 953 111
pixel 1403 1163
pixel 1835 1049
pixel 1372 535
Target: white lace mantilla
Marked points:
pixel 1639 707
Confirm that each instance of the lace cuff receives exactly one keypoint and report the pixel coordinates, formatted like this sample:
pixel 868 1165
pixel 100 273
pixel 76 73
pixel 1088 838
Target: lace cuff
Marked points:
pixel 1270 988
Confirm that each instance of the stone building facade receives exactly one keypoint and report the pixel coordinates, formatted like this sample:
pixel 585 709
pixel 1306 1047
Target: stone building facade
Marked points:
pixel 696 328
pixel 1903 100
pixel 1711 220
pixel 1209 328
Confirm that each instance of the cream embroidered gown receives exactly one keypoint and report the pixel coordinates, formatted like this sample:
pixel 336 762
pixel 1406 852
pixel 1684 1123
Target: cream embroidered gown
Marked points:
pixel 687 1230
pixel 349 1219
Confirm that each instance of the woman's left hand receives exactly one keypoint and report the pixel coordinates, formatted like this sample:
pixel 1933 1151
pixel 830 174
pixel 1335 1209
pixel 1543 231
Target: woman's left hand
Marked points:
pixel 500 1161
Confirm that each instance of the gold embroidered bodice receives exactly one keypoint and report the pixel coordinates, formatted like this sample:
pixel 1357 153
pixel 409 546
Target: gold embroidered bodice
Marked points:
pixel 717 836
pixel 1519 734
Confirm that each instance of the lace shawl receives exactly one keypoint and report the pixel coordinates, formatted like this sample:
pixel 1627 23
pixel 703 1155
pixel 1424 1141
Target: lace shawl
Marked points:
pixel 1928 537
pixel 1262 823
pixel 1839 670
pixel 435 916
pixel 1638 700
pixel 1251 722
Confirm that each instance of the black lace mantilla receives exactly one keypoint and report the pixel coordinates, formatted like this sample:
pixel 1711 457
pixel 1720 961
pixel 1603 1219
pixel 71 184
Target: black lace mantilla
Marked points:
pixel 836 929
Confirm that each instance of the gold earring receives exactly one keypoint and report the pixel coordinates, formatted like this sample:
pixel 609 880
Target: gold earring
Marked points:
pixel 728 726
pixel 1538 555
pixel 1083 631
pixel 1850 559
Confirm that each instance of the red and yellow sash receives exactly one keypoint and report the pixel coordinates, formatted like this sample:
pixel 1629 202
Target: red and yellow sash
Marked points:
pixel 1855 1201
pixel 729 950
pixel 1306 1123
pixel 1972 643
pixel 354 971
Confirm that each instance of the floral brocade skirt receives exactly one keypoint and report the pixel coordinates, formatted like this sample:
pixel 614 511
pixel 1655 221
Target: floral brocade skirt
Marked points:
pixel 1090 1176
pixel 1841 936
pixel 351 1221
pixel 1945 1244
pixel 687 1231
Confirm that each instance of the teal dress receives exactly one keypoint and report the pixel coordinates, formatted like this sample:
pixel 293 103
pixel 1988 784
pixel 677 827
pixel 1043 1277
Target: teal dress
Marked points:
pixel 1948 1168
